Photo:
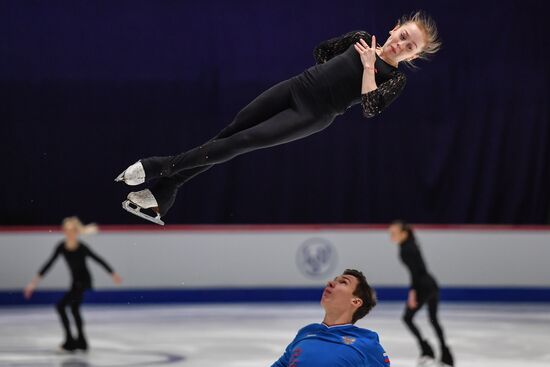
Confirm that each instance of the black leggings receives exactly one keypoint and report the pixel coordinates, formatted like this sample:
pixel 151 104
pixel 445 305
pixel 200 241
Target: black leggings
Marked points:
pixel 279 115
pixel 432 301
pixel 73 299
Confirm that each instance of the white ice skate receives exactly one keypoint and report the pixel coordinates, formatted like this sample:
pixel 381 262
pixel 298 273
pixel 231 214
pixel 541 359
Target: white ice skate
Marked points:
pixel 144 199
pixel 133 175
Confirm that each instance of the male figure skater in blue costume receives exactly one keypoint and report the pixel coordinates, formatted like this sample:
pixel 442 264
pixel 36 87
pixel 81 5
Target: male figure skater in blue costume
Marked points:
pixel 337 342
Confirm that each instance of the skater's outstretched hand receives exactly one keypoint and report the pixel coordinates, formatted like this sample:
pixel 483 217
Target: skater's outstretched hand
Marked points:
pixel 29 289
pixel 411 301
pixel 116 278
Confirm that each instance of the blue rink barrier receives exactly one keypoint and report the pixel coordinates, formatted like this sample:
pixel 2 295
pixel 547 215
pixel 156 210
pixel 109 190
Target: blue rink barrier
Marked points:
pixel 236 295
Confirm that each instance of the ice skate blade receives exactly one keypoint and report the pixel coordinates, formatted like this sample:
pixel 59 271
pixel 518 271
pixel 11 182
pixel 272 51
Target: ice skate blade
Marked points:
pixel 136 210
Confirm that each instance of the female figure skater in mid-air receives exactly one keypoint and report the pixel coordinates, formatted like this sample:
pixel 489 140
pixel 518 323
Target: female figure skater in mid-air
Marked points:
pixel 348 72
pixel 75 253
pixel 423 290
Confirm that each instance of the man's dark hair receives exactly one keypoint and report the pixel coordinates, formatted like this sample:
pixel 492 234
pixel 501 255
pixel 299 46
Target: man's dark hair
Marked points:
pixel 364 291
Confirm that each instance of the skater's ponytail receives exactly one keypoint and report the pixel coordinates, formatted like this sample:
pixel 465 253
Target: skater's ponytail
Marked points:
pixel 83 229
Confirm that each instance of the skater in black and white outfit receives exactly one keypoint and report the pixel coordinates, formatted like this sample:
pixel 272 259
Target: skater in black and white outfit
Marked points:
pixel 75 253
pixel 423 290
pixel 349 70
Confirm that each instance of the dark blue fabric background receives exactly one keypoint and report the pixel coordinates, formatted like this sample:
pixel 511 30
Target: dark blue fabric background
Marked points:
pixel 88 87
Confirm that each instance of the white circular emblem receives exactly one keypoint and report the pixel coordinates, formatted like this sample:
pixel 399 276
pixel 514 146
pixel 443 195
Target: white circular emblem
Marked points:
pixel 316 258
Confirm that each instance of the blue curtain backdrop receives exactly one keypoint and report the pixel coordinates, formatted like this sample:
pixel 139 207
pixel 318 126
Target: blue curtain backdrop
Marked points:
pixel 88 87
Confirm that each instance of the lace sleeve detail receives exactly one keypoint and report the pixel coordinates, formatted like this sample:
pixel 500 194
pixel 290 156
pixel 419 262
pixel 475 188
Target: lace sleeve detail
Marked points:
pixel 335 46
pixel 378 100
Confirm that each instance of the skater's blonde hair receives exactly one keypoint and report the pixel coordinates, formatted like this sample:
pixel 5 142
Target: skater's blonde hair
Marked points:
pixel 82 229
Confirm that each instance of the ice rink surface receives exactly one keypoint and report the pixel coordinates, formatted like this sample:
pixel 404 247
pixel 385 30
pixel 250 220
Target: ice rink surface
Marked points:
pixel 246 335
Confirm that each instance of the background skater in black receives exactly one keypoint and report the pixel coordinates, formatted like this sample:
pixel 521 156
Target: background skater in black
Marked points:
pixel 350 70
pixel 423 290
pixel 75 253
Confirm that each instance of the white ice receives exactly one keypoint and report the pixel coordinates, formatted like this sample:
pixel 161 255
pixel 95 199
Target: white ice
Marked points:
pixel 484 335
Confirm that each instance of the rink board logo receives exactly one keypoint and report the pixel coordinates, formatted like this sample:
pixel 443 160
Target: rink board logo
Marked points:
pixel 316 258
